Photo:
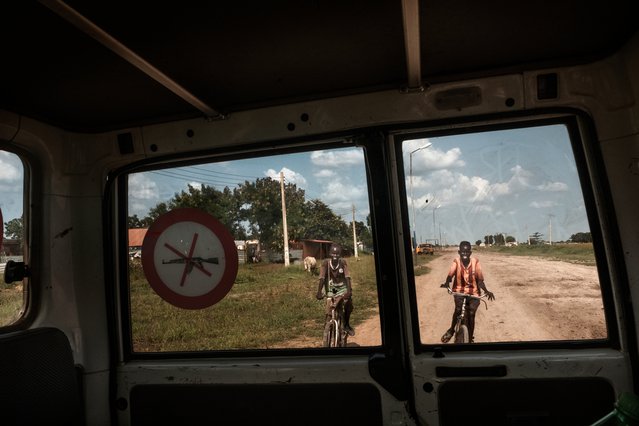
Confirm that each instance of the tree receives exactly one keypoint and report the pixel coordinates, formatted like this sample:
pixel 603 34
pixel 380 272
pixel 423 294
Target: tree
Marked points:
pixel 135 222
pixel 14 229
pixel 478 243
pixel 363 233
pixel 510 239
pixel 261 208
pixel 536 238
pixel 581 237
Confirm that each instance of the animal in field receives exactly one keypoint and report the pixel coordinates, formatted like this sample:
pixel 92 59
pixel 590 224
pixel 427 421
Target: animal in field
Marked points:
pixel 310 264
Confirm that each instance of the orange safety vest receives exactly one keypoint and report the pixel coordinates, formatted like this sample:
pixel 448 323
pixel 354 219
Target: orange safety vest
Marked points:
pixel 465 278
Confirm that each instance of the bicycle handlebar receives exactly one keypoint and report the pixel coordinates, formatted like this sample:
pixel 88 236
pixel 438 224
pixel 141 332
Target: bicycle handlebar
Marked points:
pixel 456 293
pixel 481 298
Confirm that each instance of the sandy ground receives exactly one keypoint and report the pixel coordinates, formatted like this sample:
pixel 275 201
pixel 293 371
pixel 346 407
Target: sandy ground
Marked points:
pixel 535 300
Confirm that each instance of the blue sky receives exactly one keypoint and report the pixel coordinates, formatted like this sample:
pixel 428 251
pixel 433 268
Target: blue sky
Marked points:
pixel 515 182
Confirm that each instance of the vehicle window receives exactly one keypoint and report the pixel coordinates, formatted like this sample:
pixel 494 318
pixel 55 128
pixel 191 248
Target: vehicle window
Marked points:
pixel 193 289
pixel 12 236
pixel 515 197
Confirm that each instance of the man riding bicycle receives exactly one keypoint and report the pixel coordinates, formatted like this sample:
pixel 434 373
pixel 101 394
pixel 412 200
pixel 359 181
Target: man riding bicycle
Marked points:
pixel 335 280
pixel 467 278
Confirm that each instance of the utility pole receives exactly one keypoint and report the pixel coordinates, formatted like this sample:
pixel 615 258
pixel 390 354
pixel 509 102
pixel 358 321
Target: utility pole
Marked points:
pixel 550 216
pixel 285 231
pixel 354 235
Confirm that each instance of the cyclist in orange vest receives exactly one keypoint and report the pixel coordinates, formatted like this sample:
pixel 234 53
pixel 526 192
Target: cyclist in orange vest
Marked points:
pixel 467 278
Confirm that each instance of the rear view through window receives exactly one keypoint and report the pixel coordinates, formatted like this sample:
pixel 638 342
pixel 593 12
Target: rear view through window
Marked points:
pixel 12 236
pixel 513 249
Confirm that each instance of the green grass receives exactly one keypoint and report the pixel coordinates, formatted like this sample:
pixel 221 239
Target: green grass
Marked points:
pixel 421 263
pixel 11 302
pixel 267 305
pixel 574 253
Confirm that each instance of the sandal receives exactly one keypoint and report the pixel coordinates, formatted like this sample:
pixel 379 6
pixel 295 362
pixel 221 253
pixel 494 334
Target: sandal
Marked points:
pixel 447 336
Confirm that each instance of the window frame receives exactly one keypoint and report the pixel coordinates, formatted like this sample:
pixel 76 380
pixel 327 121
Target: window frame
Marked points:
pixel 595 190
pixel 116 207
pixel 31 191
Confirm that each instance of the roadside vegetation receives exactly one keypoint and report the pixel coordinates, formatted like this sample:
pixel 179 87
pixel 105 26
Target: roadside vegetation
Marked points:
pixel 580 253
pixel 11 302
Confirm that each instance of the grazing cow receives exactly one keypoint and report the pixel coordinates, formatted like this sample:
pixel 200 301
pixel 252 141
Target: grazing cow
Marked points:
pixel 310 264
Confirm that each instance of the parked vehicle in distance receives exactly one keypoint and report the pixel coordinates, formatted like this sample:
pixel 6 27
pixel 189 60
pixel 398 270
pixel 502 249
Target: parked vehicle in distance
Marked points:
pixel 425 248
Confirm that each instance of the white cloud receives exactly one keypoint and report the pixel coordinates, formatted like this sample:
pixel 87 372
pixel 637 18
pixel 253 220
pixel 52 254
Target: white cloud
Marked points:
pixel 553 187
pixel 339 158
pixel 542 204
pixel 9 171
pixel 336 191
pixel 454 187
pixel 325 174
pixel 290 176
pixel 430 158
pixel 142 188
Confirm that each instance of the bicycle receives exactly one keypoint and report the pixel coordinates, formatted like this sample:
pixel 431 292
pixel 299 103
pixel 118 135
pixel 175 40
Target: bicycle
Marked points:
pixel 462 335
pixel 334 333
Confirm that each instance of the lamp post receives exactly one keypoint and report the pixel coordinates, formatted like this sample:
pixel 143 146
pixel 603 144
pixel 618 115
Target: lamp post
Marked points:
pixel 412 200
pixel 435 230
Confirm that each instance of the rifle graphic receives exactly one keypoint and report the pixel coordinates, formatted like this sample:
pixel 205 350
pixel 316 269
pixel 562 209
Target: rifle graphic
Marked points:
pixel 192 261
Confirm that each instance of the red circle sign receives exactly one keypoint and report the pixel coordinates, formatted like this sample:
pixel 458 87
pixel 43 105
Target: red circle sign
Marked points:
pixel 189 258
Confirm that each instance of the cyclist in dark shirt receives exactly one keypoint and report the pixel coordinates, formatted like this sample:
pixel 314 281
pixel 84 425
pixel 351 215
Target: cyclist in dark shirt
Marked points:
pixel 335 280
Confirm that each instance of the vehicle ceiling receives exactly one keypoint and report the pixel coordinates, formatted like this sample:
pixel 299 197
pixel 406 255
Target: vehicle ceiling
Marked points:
pixel 223 57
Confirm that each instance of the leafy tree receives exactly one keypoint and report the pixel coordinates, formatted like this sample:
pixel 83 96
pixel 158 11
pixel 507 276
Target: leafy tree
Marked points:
pixel 581 237
pixel 510 239
pixel 261 208
pixel 222 205
pixel 478 242
pixel 363 233
pixel 536 238
pixel 14 229
pixel 323 224
pixel 135 222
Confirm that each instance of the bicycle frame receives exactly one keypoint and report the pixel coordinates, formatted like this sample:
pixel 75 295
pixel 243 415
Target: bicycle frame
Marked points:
pixel 334 333
pixel 461 327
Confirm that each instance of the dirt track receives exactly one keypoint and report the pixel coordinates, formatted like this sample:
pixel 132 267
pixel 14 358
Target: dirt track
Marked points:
pixel 536 299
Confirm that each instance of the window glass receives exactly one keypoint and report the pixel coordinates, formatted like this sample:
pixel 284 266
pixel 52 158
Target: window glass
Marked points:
pixel 515 197
pixel 298 203
pixel 12 236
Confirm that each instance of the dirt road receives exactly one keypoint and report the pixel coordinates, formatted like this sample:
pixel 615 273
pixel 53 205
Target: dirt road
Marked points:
pixel 536 299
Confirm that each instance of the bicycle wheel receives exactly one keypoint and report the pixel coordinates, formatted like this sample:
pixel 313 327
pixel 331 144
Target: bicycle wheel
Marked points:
pixel 462 335
pixel 330 334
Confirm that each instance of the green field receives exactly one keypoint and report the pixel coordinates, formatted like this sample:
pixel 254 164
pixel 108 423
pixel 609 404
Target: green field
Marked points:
pixel 268 305
pixel 575 253
pixel 11 302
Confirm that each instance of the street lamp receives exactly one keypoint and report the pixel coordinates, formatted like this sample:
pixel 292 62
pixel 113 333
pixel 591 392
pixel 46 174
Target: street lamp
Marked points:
pixel 434 230
pixel 412 200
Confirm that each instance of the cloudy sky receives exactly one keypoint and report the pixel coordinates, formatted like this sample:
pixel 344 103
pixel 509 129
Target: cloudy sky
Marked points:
pixel 337 177
pixel 11 185
pixel 515 182
pixel 463 187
